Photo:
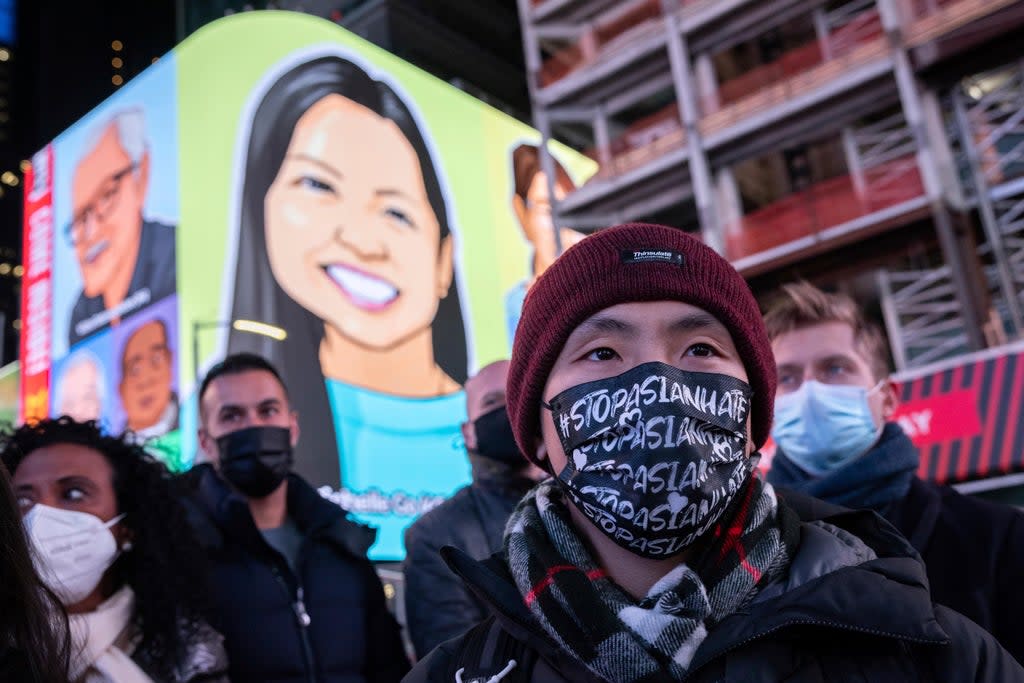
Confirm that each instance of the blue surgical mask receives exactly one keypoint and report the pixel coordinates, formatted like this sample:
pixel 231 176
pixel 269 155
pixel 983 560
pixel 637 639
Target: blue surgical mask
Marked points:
pixel 821 427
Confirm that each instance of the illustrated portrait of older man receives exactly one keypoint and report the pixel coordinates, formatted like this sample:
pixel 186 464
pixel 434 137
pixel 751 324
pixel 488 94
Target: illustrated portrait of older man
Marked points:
pixel 80 391
pixel 125 260
pixel 147 382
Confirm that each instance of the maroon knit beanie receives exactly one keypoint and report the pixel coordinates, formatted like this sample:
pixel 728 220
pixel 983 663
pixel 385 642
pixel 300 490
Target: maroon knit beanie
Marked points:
pixel 623 264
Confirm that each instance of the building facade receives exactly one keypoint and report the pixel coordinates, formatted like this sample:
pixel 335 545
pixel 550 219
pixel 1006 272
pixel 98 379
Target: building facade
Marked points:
pixel 877 145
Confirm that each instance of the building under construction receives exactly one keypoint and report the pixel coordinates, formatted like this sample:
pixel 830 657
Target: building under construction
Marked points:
pixel 875 145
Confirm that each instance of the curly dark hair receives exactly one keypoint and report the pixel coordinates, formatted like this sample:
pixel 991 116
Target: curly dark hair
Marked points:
pixel 165 568
pixel 32 620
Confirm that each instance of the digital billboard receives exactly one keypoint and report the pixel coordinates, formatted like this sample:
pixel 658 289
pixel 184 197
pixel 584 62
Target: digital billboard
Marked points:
pixel 276 169
pixel 8 21
pixel 9 394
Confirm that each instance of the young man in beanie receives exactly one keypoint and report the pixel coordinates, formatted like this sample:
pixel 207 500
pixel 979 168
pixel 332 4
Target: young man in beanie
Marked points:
pixel 642 379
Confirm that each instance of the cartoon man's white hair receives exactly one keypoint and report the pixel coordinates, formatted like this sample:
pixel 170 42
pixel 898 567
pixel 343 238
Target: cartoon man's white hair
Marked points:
pixel 130 125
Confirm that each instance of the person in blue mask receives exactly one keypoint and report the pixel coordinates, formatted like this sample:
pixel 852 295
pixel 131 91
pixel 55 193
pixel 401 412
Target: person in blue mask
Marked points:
pixel 836 440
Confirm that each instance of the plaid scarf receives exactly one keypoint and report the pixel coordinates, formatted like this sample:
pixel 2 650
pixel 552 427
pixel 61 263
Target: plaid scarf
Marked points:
pixel 613 635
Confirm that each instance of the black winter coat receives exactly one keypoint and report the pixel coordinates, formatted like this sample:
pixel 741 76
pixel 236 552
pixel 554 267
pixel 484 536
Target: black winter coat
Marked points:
pixel 872 621
pixel 204 659
pixel 328 624
pixel 974 551
pixel 14 666
pixel 438 605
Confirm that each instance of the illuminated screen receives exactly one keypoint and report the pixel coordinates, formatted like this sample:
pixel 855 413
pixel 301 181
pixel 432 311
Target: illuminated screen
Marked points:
pixel 9 376
pixel 277 169
pixel 8 20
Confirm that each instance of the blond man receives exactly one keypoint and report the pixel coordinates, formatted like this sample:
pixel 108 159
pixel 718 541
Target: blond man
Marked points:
pixel 837 441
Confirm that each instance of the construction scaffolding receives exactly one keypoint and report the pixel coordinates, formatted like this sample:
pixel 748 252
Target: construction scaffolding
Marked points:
pixel 779 131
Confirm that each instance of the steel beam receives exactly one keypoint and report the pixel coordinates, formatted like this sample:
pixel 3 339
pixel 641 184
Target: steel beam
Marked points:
pixel 989 222
pixel 700 171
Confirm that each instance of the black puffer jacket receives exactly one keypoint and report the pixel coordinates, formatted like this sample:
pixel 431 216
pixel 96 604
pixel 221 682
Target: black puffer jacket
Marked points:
pixel 974 551
pixel 14 666
pixel 329 624
pixel 438 605
pixel 822 621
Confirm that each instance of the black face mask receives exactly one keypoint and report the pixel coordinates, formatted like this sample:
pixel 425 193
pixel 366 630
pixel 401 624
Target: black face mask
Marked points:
pixel 255 460
pixel 655 454
pixel 494 438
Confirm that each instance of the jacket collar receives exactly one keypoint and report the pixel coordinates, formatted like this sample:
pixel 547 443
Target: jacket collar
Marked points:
pixel 499 477
pixel 856 598
pixel 493 585
pixel 874 480
pixel 918 513
pixel 312 514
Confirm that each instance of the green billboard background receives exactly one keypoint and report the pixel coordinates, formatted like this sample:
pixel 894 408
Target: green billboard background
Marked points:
pixel 388 452
pixel 473 139
pixel 9 375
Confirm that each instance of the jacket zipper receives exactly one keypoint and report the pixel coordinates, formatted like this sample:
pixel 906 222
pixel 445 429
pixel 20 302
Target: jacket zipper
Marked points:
pixel 302 618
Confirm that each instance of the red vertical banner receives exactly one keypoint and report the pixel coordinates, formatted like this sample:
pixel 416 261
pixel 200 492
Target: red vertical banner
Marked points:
pixel 36 287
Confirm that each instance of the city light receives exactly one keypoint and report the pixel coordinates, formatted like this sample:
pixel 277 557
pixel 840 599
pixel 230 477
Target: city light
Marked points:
pixel 8 178
pixel 16 324
pixel 5 268
pixel 117 62
pixel 5 54
pixel 25 165
pixel 116 79
pixel 116 46
pixel 19 270
pixel 272 331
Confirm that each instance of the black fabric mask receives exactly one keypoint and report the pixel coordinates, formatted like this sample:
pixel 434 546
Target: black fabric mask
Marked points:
pixel 494 438
pixel 655 454
pixel 255 460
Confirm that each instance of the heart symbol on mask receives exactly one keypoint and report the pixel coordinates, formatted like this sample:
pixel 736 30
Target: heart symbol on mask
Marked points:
pixel 677 502
pixel 579 458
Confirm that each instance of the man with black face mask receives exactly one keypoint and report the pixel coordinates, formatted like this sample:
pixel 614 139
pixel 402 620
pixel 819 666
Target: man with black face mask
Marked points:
pixel 293 592
pixel 642 379
pixel 438 606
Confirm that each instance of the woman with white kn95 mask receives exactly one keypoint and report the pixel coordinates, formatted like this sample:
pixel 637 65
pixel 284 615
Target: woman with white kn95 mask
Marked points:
pixel 111 541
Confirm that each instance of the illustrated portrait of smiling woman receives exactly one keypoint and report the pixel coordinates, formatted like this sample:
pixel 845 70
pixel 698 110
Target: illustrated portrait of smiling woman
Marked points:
pixel 344 240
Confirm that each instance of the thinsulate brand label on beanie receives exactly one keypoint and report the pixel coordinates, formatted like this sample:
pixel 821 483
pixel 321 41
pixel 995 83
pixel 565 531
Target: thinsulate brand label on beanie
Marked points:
pixel 651 256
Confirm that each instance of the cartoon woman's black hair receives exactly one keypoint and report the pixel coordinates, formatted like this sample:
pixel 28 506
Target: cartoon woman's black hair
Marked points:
pixel 257 295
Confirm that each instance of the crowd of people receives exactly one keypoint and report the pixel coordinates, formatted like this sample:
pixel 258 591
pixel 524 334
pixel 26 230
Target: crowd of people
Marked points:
pixel 617 527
